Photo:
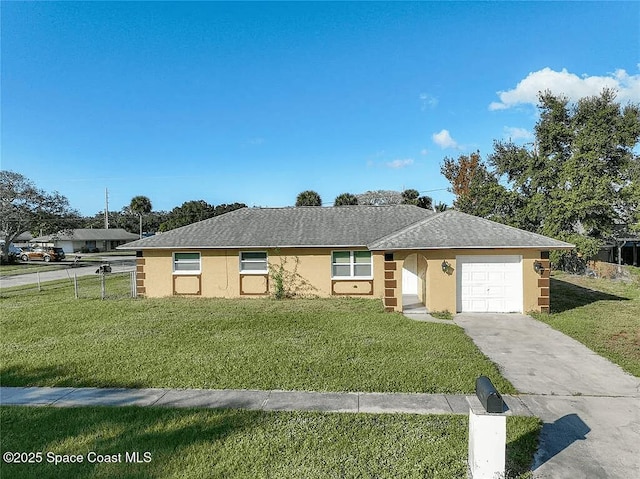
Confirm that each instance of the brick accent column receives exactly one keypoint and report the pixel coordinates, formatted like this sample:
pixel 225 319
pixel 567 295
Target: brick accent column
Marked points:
pixel 140 277
pixel 390 286
pixel 544 283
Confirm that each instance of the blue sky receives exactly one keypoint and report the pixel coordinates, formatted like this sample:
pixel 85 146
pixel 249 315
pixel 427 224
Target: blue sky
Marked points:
pixel 255 102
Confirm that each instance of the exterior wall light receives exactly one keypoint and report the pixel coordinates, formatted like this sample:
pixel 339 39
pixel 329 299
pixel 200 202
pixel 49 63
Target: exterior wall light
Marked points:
pixel 445 266
pixel 538 268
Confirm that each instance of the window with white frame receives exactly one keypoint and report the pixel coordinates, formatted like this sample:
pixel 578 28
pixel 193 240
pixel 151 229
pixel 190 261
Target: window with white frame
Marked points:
pixel 253 262
pixel 351 264
pixel 186 263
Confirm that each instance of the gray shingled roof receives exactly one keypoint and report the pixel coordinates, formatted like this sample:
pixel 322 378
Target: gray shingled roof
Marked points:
pixel 375 227
pixel 89 234
pixel 281 227
pixel 453 229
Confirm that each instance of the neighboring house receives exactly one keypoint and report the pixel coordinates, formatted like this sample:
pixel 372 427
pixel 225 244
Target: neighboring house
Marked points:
pixel 448 261
pixel 22 239
pixel 75 240
pixel 622 248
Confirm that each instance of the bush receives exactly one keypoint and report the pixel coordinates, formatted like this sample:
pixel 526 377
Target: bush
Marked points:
pixel 89 249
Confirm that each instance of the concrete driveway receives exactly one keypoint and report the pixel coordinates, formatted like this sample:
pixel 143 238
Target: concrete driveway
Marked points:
pixel 590 406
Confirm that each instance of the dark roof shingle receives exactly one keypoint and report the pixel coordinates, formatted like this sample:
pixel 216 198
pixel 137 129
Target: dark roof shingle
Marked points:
pixel 375 227
pixel 281 227
pixel 89 234
pixel 453 229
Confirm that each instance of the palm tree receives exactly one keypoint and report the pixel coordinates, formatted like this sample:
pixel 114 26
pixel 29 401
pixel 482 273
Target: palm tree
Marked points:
pixel 140 205
pixel 308 198
pixel 345 199
pixel 440 207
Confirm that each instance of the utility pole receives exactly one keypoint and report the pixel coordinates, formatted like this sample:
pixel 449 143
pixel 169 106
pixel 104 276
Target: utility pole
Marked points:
pixel 106 208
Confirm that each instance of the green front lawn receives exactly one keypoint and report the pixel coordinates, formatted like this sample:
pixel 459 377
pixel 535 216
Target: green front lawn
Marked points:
pixel 190 443
pixel 52 339
pixel 29 267
pixel 603 314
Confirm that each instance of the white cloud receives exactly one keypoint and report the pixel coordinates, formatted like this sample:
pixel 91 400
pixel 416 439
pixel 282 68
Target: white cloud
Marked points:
pixel 424 152
pixel 428 101
pixel 570 85
pixel 400 163
pixel 515 133
pixel 444 140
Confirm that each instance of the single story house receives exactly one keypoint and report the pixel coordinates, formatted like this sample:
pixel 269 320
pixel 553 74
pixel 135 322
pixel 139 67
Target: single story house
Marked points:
pixel 447 261
pixel 23 239
pixel 75 240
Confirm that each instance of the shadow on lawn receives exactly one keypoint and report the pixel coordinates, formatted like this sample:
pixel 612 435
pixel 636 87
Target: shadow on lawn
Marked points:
pixel 152 442
pixel 566 296
pixel 58 376
pixel 519 453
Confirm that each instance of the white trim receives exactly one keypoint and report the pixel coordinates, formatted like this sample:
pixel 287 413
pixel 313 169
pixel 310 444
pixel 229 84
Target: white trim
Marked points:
pixel 253 271
pixel 187 271
pixel 351 265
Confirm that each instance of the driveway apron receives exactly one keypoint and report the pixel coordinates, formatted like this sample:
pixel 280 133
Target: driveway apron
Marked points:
pixel 590 406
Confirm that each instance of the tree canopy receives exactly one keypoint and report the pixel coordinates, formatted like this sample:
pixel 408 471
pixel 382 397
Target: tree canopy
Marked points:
pixel 380 198
pixel 308 198
pixel 575 182
pixel 345 199
pixel 24 207
pixel 193 211
pixel 412 197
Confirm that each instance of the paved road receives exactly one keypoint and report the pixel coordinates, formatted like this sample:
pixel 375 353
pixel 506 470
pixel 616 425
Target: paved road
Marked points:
pixel 117 266
pixel 590 406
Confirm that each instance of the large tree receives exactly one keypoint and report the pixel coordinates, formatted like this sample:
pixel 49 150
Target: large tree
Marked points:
pixel 308 198
pixel 412 197
pixel 575 182
pixel 478 191
pixel 380 198
pixel 461 171
pixel 24 207
pixel 140 205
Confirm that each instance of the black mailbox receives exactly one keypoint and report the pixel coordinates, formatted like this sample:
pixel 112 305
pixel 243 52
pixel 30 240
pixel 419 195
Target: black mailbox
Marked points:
pixel 488 395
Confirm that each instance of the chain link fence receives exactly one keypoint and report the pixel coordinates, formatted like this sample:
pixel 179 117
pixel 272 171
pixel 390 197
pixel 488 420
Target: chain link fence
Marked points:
pixel 104 285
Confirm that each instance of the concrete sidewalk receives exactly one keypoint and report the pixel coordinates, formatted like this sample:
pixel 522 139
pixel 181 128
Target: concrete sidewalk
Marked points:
pixel 346 402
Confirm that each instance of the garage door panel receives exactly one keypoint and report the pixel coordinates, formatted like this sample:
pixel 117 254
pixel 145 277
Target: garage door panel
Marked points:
pixel 489 283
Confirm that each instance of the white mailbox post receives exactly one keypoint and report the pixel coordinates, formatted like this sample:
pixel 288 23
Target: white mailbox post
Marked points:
pixel 487 432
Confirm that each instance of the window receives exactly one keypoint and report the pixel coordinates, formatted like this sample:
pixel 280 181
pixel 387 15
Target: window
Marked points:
pixel 184 263
pixel 351 264
pixel 253 262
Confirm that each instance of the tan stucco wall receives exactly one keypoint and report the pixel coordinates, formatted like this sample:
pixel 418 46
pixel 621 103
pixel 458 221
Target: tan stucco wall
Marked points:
pixel 441 287
pixel 220 276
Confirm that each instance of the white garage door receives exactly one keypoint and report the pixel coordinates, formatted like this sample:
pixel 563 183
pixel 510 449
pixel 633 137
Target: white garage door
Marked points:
pixel 489 284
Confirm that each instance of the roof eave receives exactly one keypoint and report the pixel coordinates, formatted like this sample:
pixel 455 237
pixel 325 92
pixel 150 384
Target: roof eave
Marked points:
pixel 406 248
pixel 176 247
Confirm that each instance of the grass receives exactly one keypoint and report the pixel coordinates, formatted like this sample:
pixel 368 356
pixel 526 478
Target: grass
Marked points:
pixel 117 285
pixel 52 339
pixel 603 314
pixel 188 443
pixel 29 267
